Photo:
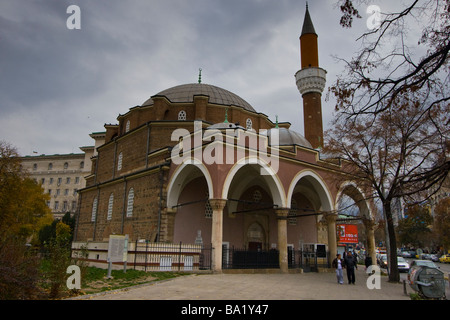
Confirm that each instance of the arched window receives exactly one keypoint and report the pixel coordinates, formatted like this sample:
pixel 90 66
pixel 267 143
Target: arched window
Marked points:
pixel 94 209
pixel 119 162
pixel 182 115
pixel 50 166
pixel 249 124
pixel 130 203
pixel 66 165
pixel 82 165
pixel 127 126
pixel 110 206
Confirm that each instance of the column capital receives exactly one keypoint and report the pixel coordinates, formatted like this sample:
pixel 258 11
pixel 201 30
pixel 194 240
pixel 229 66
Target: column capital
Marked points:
pixel 282 213
pixel 217 204
pixel 330 217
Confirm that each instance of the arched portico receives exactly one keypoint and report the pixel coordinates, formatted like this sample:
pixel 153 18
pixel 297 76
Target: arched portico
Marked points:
pixel 247 175
pixel 366 212
pixel 312 186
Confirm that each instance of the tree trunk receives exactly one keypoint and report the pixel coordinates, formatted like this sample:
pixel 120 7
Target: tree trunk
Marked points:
pixel 394 275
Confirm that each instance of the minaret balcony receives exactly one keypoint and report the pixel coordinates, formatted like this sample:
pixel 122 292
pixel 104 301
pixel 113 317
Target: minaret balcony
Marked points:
pixel 311 79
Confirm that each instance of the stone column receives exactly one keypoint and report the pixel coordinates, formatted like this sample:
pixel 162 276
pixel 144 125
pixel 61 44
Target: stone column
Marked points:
pixel 331 217
pixel 370 233
pixel 282 239
pixel 217 206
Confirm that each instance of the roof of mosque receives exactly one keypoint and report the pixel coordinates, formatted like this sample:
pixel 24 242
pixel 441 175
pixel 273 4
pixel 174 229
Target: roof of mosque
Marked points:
pixel 186 93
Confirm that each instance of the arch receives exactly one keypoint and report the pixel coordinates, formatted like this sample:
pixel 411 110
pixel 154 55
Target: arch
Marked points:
pixel 350 189
pixel 188 170
pixel 271 179
pixel 319 186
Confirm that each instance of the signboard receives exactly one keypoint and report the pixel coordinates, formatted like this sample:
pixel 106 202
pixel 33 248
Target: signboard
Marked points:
pixel 118 248
pixel 348 233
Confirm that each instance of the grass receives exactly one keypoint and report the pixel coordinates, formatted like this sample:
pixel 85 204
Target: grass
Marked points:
pixel 95 280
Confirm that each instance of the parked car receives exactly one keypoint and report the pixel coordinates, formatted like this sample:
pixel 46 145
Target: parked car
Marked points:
pixel 403 265
pixel 408 254
pixel 445 258
pixel 415 264
pixel 434 258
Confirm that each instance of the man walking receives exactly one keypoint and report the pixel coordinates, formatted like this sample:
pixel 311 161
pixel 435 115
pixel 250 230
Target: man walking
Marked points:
pixel 350 265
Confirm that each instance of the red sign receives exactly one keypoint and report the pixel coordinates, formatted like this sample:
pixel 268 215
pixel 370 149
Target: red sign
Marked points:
pixel 348 233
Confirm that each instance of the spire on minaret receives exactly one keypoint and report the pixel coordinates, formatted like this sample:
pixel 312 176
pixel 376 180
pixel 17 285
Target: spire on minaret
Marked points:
pixel 308 27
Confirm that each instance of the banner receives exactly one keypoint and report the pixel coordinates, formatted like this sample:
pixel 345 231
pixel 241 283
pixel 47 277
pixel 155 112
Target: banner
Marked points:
pixel 347 233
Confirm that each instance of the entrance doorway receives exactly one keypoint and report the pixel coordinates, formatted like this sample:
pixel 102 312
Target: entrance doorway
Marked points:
pixel 255 237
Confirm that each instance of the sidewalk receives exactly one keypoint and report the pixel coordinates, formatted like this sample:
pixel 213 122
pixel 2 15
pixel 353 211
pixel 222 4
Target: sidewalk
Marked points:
pixel 306 286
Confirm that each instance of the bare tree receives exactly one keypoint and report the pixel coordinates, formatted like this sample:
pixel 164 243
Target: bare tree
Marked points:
pixel 395 154
pixel 392 104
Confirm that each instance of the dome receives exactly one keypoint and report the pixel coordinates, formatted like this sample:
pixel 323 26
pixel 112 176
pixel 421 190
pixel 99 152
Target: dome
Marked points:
pixel 288 138
pixel 186 93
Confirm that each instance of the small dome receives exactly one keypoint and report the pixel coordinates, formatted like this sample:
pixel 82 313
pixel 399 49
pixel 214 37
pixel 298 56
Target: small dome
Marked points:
pixel 288 137
pixel 186 93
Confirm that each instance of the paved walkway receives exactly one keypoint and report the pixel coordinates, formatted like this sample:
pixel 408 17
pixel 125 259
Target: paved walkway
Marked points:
pixel 306 286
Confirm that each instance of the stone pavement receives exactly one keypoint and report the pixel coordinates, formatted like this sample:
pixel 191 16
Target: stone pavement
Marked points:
pixel 274 286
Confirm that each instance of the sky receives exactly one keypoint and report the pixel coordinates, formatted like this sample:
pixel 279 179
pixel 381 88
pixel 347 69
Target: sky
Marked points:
pixel 58 85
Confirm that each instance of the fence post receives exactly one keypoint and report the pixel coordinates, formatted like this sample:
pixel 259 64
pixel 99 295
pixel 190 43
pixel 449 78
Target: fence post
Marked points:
pixel 135 253
pixel 146 248
pixel 179 258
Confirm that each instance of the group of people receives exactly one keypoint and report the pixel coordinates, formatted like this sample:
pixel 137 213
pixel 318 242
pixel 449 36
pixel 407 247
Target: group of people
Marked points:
pixel 350 263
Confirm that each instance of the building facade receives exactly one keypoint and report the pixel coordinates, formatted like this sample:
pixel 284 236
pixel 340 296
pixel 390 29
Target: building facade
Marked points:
pixel 62 175
pixel 197 164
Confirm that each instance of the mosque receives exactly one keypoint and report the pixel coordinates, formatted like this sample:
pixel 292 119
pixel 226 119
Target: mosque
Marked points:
pixel 196 163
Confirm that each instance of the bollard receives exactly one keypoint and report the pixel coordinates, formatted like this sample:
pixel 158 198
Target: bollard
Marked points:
pixel 404 288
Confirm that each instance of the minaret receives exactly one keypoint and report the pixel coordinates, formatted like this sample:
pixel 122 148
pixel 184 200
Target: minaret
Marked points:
pixel 311 83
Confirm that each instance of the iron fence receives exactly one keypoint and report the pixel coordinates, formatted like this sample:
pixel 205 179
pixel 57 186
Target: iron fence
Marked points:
pixel 151 256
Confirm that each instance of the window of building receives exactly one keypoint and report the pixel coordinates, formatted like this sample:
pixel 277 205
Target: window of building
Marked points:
pixel 67 180
pixel 42 180
pixel 59 181
pixel 75 192
pixel 50 191
pixel 56 207
pixel 292 220
pixel 81 164
pixel 34 166
pixel 57 192
pixel 94 209
pixel 249 124
pixel 130 203
pixel 127 126
pixel 51 181
pixel 66 192
pixel 65 206
pixel 74 205
pixel 182 115
pixel 208 208
pixel 110 206
pixel 77 180
pixel 50 166
pixel 66 165
pixel 119 162
pixel 257 196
